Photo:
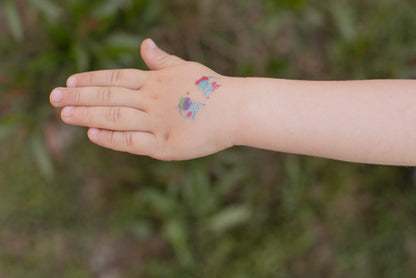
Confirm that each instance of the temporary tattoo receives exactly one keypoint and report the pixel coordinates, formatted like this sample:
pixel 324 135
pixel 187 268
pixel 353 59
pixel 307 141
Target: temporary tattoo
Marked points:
pixel 187 108
pixel 207 87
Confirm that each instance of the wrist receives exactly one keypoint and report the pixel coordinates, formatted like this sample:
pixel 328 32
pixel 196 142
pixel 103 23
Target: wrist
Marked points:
pixel 233 106
pixel 258 113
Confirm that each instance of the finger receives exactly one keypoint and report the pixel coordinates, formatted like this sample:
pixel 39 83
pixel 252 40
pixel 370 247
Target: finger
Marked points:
pixel 96 96
pixel 155 58
pixel 141 143
pixel 113 118
pixel 126 78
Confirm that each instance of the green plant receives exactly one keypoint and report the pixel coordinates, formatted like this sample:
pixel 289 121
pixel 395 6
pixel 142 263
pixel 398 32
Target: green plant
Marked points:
pixel 73 209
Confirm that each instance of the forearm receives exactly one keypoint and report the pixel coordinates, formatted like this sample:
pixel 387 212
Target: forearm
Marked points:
pixel 142 112
pixel 371 121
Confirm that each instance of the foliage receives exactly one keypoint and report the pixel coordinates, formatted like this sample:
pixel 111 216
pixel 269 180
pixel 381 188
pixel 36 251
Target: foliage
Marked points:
pixel 68 207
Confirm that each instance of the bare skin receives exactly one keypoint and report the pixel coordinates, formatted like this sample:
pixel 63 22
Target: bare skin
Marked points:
pixel 368 121
pixel 136 111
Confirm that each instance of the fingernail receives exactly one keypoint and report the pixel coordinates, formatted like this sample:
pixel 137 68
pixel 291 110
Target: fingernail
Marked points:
pixel 151 44
pixel 68 111
pixel 56 95
pixel 94 133
pixel 72 81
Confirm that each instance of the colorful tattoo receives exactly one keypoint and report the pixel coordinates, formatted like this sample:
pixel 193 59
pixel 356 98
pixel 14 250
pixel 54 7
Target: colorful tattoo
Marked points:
pixel 207 87
pixel 187 108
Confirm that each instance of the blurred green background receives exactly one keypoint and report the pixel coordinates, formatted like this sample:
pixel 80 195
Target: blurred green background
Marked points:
pixel 71 209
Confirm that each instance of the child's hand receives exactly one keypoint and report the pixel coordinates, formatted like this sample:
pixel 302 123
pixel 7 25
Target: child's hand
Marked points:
pixel 178 110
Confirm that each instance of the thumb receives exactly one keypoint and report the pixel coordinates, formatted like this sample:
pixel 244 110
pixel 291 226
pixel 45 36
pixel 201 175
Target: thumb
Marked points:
pixel 155 58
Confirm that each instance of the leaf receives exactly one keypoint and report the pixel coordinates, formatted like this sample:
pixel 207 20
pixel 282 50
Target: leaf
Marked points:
pixel 81 57
pixel 51 10
pixel 344 20
pixel 229 218
pixel 14 21
pixel 159 201
pixel 42 157
pixel 107 8
pixel 175 232
pixel 123 41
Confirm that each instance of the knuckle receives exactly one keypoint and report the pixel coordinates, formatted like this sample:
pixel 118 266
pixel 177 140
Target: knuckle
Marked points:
pixel 112 137
pixel 128 139
pixel 104 95
pixel 86 114
pixel 113 114
pixel 77 96
pixel 164 59
pixel 115 77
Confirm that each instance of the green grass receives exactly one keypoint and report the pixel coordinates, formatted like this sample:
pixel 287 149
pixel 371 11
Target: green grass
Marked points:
pixel 69 208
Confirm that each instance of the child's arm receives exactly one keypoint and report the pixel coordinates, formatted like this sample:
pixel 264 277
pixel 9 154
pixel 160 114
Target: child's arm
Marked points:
pixel 369 121
pixel 182 110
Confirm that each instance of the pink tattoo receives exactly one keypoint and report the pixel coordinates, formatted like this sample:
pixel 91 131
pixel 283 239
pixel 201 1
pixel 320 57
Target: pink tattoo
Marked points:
pixel 188 109
pixel 207 87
